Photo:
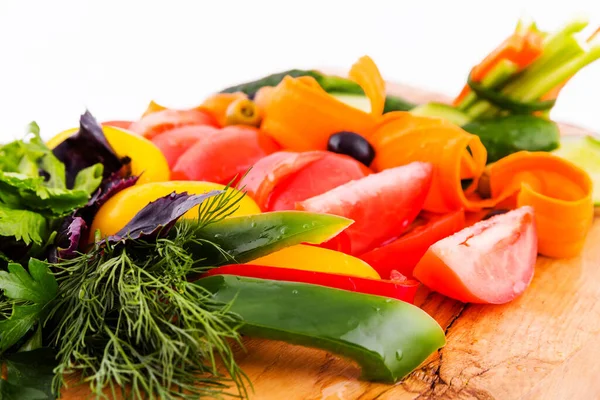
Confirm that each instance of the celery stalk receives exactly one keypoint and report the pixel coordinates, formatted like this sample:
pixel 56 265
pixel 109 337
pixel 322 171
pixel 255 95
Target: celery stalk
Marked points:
pixel 572 27
pixel 563 51
pixel 496 77
pixel 536 88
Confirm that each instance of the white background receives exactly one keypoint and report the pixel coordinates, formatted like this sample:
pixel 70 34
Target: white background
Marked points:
pixel 58 57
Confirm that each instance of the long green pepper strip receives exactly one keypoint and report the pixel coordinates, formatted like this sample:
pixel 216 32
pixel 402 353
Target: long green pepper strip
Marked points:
pixel 388 338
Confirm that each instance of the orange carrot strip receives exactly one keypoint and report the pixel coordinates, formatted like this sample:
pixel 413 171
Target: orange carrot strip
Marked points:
pixel 559 192
pixel 367 75
pixel 263 97
pixel 405 138
pixel 301 117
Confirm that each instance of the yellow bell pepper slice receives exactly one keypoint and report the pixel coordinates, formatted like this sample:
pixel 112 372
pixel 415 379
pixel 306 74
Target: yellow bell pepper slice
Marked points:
pixel 122 207
pixel 317 259
pixel 147 160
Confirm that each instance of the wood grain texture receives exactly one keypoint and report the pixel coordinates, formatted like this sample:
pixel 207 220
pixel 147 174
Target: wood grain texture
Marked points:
pixel 543 345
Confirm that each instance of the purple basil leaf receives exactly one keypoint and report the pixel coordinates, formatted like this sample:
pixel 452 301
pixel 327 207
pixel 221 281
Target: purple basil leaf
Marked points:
pixel 108 188
pixel 86 148
pixel 159 216
pixel 67 240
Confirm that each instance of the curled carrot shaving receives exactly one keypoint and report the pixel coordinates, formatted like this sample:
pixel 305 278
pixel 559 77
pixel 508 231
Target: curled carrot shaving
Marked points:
pixel 559 192
pixel 367 75
pixel 263 97
pixel 301 116
pixel 404 138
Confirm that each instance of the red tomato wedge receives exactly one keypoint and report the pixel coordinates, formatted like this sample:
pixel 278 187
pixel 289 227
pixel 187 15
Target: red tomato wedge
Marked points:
pixel 270 171
pixel 316 178
pixel 382 205
pixel 158 122
pixel 404 253
pixel 221 156
pixel 490 262
pixel 118 124
pixel 177 141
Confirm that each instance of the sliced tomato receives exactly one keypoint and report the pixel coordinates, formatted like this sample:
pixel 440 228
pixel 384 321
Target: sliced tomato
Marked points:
pixel 490 262
pixel 177 141
pixel 382 205
pixel 221 156
pixel 316 178
pixel 118 124
pixel 158 122
pixel 270 171
pixel 404 253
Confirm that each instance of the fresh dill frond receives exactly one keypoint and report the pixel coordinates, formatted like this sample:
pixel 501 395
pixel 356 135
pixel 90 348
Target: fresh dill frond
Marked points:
pixel 219 207
pixel 130 323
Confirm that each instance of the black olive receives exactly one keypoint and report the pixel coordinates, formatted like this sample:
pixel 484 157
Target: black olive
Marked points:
pixel 494 213
pixel 353 145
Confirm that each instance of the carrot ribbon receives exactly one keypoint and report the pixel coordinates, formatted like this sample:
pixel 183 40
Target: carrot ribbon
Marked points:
pixel 301 116
pixel 559 192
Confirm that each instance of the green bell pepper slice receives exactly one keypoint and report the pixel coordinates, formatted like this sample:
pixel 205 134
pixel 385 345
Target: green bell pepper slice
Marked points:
pixel 243 239
pixel 388 338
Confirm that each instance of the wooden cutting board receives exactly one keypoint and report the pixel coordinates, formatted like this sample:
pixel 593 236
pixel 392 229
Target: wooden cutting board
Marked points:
pixel 543 345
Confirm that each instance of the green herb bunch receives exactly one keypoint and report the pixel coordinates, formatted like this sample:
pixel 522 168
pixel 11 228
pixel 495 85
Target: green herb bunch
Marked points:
pixel 129 322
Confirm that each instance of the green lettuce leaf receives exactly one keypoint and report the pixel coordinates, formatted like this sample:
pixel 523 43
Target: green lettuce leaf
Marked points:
pixel 89 179
pixel 20 191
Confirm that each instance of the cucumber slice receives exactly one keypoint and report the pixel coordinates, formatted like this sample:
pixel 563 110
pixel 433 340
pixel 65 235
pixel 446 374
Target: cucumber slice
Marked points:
pixel 441 110
pixel 354 100
pixel 583 151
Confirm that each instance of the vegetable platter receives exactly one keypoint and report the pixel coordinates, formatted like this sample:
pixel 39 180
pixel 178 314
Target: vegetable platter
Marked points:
pixel 311 236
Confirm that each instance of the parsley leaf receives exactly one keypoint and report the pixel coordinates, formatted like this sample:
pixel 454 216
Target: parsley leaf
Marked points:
pixel 29 293
pixel 25 225
pixel 38 286
pixel 29 375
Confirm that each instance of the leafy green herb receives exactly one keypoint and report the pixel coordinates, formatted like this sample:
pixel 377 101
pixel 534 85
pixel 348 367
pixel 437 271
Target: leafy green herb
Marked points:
pixel 89 179
pixel 12 391
pixel 33 191
pixel 29 375
pixel 127 317
pixel 28 294
pixel 18 190
pixel 25 225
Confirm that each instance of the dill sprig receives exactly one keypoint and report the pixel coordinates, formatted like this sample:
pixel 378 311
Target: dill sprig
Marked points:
pixel 129 322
